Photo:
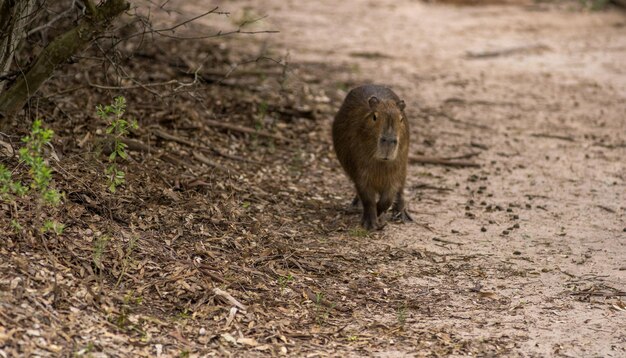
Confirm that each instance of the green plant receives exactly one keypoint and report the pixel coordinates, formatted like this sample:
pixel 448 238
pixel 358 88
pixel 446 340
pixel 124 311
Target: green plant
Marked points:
pixel 16 225
pixel 126 260
pixel 122 319
pixel 358 232
pixel 9 187
pixel 321 310
pixel 118 129
pixel 184 314
pixel 283 281
pixel 53 226
pixel 98 250
pixel 40 174
pixel 401 315
pixel 90 347
pixel 595 5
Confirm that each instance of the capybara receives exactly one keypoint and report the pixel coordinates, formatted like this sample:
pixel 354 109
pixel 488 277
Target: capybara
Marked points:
pixel 371 139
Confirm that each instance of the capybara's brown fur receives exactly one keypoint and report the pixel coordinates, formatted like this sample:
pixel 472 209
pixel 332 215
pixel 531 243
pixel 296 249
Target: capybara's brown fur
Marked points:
pixel 371 139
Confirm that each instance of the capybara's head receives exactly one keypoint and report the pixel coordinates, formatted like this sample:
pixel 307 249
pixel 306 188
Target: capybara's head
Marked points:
pixel 387 123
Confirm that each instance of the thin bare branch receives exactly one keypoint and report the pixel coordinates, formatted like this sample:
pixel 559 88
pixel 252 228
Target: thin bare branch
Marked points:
pixel 53 20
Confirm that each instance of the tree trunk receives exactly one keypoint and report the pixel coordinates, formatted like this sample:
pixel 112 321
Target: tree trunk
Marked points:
pixel 14 17
pixel 620 2
pixel 58 52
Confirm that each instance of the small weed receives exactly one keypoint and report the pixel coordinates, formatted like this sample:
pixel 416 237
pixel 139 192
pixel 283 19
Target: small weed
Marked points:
pixel 342 86
pixel 85 351
pixel 184 314
pixel 122 320
pixel 263 108
pixel 283 282
pixel 353 338
pixel 401 315
pixel 16 225
pixel 358 232
pixel 52 226
pixel 129 251
pixel 9 187
pixel 98 250
pixel 297 163
pixel 118 128
pixel 319 297
pixel 321 312
pixel 595 5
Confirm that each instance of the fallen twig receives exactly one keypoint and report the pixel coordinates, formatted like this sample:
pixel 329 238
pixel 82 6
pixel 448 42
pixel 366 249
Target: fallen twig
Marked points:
pixel 610 146
pixel 464 156
pixel 443 161
pixel 606 208
pixel 553 136
pixel 229 298
pixel 428 186
pixel 210 163
pixel 446 241
pixel 506 52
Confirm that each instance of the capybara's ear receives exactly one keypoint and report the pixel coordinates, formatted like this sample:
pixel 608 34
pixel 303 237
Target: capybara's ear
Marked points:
pixel 373 103
pixel 401 105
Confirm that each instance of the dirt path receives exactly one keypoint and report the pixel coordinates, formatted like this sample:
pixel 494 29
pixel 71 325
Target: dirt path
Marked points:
pixel 527 254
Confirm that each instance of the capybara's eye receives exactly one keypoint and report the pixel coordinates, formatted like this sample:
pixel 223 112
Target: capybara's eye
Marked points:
pixel 374 117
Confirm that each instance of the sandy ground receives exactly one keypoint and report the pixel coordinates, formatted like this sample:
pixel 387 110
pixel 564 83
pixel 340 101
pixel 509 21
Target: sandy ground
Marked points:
pixel 533 243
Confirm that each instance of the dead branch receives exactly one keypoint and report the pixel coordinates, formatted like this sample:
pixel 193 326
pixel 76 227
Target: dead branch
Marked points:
pixel 163 31
pixel 53 20
pixel 146 85
pixel 167 136
pixel 174 160
pixel 236 128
